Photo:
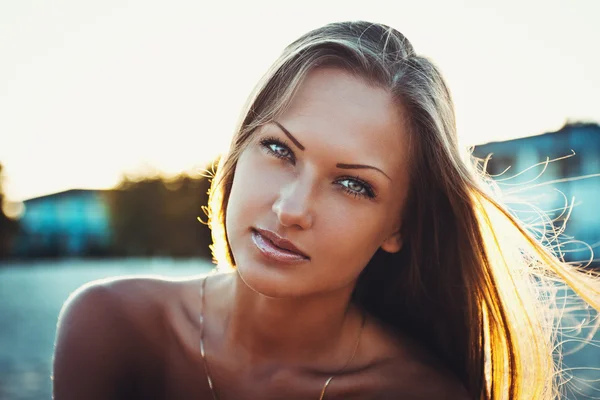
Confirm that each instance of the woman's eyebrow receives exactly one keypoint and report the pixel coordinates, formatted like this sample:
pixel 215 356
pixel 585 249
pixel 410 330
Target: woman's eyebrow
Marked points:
pixel 339 165
pixel 289 135
pixel 361 166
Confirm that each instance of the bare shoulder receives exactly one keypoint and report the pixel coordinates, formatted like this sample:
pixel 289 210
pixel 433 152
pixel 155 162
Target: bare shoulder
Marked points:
pixel 401 366
pixel 106 332
pixel 108 300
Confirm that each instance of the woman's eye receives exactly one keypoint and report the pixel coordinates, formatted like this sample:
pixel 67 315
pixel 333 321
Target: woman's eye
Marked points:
pixel 353 186
pixel 356 187
pixel 279 150
pixel 276 148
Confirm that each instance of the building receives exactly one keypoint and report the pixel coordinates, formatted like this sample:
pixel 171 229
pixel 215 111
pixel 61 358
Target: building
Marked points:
pixel 71 223
pixel 572 178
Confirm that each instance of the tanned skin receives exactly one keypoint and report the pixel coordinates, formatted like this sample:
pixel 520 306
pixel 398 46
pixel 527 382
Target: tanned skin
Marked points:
pixel 138 338
pixel 331 176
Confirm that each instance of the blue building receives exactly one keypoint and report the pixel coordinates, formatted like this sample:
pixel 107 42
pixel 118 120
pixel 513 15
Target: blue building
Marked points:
pixel 571 179
pixel 70 223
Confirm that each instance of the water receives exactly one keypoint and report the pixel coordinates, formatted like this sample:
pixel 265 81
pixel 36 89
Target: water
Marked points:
pixel 32 294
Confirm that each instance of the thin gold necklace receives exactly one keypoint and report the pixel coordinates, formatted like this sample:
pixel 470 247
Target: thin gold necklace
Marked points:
pixel 207 370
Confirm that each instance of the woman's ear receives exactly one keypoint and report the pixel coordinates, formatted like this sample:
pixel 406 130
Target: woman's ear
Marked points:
pixel 392 244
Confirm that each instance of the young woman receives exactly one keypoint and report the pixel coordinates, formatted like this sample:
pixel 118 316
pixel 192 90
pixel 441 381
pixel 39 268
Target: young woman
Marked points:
pixel 363 256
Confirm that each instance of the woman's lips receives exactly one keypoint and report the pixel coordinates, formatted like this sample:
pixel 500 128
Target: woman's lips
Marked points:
pixel 274 253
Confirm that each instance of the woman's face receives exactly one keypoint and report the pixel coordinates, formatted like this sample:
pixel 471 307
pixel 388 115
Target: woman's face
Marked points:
pixel 301 177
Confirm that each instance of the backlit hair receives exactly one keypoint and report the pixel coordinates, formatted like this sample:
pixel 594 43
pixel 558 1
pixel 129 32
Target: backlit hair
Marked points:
pixel 471 282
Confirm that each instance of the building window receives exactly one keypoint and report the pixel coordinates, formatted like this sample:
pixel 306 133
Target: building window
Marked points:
pixel 499 163
pixel 570 167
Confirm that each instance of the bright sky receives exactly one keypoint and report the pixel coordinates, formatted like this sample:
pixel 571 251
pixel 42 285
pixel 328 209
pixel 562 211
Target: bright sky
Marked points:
pixel 92 89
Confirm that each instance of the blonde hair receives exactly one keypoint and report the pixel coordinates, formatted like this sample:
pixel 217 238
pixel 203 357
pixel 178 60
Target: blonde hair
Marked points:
pixel 471 281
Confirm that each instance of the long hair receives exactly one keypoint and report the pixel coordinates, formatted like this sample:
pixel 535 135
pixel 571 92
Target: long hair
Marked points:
pixel 471 282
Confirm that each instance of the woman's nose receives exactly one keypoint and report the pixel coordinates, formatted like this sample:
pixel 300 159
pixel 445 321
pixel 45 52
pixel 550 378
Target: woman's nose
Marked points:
pixel 294 205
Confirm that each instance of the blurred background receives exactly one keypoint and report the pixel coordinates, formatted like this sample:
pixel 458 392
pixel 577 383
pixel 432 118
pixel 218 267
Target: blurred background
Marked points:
pixel 110 113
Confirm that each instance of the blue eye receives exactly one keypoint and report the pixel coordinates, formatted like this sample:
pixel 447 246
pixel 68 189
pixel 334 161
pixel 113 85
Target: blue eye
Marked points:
pixel 357 187
pixel 352 185
pixel 277 148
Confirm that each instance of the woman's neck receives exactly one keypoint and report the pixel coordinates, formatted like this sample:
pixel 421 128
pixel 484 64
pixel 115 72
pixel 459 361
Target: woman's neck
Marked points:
pixel 294 331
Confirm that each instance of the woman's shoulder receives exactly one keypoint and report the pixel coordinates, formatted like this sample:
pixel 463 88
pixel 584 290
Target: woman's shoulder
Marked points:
pixel 130 304
pixel 134 297
pixel 108 328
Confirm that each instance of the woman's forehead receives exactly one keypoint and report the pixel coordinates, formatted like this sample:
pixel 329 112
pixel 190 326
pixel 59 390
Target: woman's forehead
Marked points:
pixel 334 94
pixel 335 109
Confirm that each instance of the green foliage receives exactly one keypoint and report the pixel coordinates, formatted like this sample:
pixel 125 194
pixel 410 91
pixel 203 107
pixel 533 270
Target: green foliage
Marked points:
pixel 8 226
pixel 159 217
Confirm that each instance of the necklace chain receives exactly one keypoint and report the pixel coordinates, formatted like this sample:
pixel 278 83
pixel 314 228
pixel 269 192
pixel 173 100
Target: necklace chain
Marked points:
pixel 207 370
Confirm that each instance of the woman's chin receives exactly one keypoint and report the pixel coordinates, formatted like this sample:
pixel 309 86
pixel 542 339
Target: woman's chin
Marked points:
pixel 272 281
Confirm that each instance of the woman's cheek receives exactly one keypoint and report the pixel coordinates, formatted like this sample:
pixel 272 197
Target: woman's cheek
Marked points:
pixel 262 182
pixel 349 221
pixel 272 175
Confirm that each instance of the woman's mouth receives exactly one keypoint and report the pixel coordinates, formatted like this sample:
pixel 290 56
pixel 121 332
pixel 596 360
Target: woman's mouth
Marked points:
pixel 274 253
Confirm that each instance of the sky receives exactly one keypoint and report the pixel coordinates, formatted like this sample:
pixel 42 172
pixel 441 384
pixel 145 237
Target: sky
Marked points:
pixel 93 90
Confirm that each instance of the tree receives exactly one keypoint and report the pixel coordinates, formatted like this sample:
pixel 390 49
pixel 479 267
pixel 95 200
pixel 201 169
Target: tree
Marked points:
pixel 159 217
pixel 8 226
